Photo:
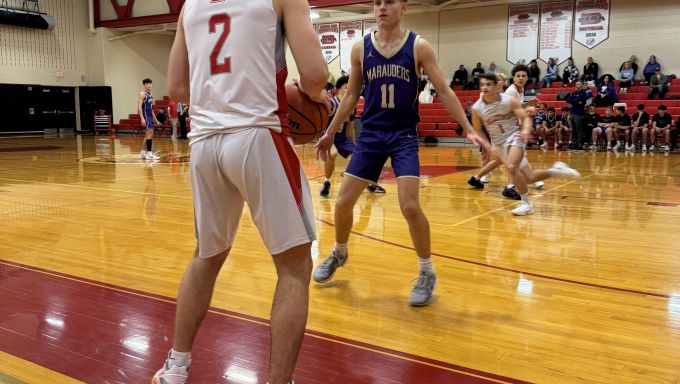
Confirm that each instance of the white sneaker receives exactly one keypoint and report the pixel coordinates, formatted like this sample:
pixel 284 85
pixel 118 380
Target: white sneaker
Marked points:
pixel 524 208
pixel 593 147
pixel 630 148
pixel 152 156
pixel 644 148
pixel 172 375
pixel 539 185
pixel 617 146
pixel 557 146
pixel 142 154
pixel 485 179
pixel 609 147
pixel 666 148
pixel 544 145
pixel 562 169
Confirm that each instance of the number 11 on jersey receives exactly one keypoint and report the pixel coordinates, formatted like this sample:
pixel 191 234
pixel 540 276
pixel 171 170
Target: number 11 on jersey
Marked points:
pixel 387 96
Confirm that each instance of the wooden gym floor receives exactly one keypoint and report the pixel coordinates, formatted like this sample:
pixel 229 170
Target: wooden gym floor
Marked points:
pixel 93 242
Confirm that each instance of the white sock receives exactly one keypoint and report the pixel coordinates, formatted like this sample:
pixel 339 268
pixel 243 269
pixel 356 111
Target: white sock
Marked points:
pixel 510 186
pixel 525 197
pixel 179 359
pixel 341 249
pixel 328 180
pixel 426 265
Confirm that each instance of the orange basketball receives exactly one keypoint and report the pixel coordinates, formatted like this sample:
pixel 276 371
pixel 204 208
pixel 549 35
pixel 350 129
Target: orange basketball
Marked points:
pixel 307 119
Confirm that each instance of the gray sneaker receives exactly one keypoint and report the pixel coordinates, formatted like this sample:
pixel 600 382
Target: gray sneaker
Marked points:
pixel 326 270
pixel 421 294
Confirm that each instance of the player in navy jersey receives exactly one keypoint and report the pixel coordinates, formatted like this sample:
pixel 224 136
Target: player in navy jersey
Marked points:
pixel 145 110
pixel 387 63
pixel 343 142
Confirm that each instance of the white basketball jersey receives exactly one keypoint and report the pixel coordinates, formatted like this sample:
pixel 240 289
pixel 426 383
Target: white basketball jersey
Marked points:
pixel 513 92
pixel 237 66
pixel 499 120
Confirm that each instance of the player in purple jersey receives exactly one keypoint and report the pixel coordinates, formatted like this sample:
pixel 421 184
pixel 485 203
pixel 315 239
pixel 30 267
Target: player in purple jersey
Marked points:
pixel 387 63
pixel 149 121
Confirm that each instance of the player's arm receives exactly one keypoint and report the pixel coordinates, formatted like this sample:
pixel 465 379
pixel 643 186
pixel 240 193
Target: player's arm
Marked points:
pixel 524 118
pixel 428 61
pixel 478 134
pixel 178 65
pixel 305 47
pixel 351 133
pixel 348 103
pixel 140 101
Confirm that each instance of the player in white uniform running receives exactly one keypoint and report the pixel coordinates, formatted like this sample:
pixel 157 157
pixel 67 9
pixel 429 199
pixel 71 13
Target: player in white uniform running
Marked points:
pixel 229 61
pixel 499 114
pixel 516 90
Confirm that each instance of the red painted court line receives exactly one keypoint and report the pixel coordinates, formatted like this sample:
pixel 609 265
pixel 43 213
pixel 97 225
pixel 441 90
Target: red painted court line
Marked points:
pixel 30 149
pixel 547 277
pixel 97 332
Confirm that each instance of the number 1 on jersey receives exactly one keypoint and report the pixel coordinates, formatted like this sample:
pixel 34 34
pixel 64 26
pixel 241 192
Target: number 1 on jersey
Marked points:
pixel 215 67
pixel 387 102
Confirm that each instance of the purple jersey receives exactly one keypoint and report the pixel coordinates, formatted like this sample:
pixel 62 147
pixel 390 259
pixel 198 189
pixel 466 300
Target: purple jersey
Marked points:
pixel 147 108
pixel 390 85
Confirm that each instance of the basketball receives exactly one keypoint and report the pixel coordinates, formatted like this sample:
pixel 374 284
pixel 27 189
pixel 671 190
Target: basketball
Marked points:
pixel 307 119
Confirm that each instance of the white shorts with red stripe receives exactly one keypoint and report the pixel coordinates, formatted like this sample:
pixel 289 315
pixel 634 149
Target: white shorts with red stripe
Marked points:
pixel 257 166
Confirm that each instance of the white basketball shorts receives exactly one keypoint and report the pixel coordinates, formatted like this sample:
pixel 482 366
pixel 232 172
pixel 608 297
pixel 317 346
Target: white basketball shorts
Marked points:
pixel 257 166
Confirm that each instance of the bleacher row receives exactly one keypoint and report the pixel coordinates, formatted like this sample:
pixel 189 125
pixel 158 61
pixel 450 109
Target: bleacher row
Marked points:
pixel 437 122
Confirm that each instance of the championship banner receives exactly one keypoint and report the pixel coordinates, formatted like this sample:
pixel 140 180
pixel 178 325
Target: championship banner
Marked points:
pixel 557 19
pixel 592 22
pixel 350 32
pixel 522 41
pixel 329 35
pixel 370 26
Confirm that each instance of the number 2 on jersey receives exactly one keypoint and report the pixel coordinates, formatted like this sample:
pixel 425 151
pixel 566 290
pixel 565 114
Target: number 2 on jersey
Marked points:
pixel 215 66
pixel 387 102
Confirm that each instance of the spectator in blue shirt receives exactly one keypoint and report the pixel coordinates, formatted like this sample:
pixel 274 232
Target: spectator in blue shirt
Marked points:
pixel 650 68
pixel 627 76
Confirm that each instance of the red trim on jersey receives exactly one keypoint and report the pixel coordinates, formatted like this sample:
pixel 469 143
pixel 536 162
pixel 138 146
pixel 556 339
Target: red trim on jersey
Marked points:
pixel 290 163
pixel 282 100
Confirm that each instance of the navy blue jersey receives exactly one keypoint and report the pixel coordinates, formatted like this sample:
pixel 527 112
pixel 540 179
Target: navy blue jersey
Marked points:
pixel 147 107
pixel 390 85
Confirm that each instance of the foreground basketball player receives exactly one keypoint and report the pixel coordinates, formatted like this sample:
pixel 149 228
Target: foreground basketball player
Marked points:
pixel 499 114
pixel 520 75
pixel 229 57
pixel 145 110
pixel 387 63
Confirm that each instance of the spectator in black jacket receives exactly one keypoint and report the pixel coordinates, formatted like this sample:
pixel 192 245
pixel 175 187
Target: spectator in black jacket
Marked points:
pixel 460 77
pixel 478 71
pixel 590 70
pixel 534 73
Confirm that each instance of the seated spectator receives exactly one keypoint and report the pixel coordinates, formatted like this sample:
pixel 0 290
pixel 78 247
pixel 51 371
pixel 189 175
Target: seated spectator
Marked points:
pixel 570 73
pixel 661 124
pixel 590 71
pixel 565 118
pixel 591 121
pixel 640 125
pixel 606 92
pixel 460 77
pixel 633 64
pixel 534 73
pixel 626 77
pixel 604 126
pixel 550 74
pixel 476 72
pixel 493 68
pixel 650 68
pixel 160 116
pixel 552 123
pixel 622 125
pixel 539 116
pixel 657 84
